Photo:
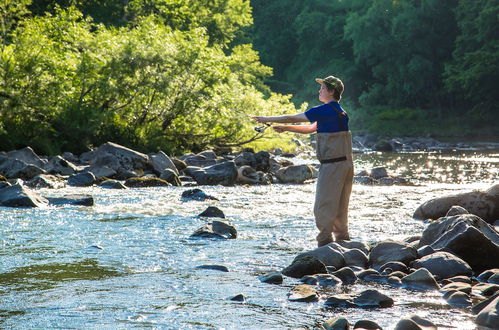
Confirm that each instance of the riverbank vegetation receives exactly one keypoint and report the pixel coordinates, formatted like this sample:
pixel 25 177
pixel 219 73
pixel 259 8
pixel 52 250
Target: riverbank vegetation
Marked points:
pixel 183 75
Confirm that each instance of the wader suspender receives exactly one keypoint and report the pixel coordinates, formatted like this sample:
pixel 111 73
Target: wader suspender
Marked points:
pixel 343 128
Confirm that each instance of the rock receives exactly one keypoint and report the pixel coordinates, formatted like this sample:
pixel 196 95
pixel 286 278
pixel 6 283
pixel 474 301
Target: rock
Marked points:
pixel 485 289
pixel 373 298
pixel 179 164
pixel 456 210
pixel 19 196
pixel 28 156
pixel 366 180
pixel 118 158
pixel 294 174
pixel 482 304
pixel 457 279
pixel 443 265
pixel 494 279
pixel 420 280
pixel 354 245
pixel 239 297
pixel 363 274
pixel 355 257
pixel 199 160
pixel 466 236
pixel 15 168
pixel 46 181
pixel 4 184
pixel 489 316
pixel 112 184
pixel 414 322
pixel 271 278
pixel 160 161
pixel 197 195
pixel 144 182
pixel 457 286
pixel 394 281
pixel 59 165
pixel 346 275
pixel 387 251
pixel 246 158
pixel 339 301
pixel 216 229
pixel 485 275
pixel 321 280
pixel 171 177
pixel 248 175
pixel 99 171
pixel 379 278
pixel 327 254
pixel 337 323
pixel 223 174
pixel 378 173
pixel 304 265
pixel 212 212
pixel 425 250
pixel 81 199
pixel 303 293
pixel 366 325
pixel 219 268
pixel 81 179
pixel 70 157
pixel 395 266
pixel 484 204
pixel 383 145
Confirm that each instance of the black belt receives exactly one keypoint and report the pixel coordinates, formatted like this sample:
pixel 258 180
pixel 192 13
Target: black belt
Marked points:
pixel 333 160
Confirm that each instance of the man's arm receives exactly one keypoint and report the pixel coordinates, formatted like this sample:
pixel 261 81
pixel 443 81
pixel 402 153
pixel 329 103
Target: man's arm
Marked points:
pixel 303 129
pixel 285 119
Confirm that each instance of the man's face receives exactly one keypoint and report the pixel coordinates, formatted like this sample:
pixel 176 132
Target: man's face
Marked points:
pixel 324 94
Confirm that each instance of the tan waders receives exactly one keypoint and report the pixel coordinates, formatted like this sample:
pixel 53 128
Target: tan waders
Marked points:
pixel 334 185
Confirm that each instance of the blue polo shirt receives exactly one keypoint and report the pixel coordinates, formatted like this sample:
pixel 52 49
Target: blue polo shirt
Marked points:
pixel 328 117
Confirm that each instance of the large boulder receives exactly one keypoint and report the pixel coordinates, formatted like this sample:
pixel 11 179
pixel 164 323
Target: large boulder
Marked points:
pixel 117 157
pixel 18 169
pixel 295 174
pixel 160 161
pixel 223 174
pixel 489 316
pixel 304 265
pixel 28 156
pixel 389 250
pixel 443 265
pixel 59 165
pixel 19 196
pixel 484 204
pixel 46 181
pixel 330 255
pixel 466 236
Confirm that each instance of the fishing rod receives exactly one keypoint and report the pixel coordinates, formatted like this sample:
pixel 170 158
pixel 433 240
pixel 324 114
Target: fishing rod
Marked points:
pixel 261 129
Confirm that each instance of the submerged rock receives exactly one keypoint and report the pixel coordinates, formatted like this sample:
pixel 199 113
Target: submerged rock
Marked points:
pixel 219 268
pixel 271 278
pixel 112 184
pixel 216 229
pixel 212 212
pixel 303 293
pixel 197 195
pixel 76 199
pixel 143 182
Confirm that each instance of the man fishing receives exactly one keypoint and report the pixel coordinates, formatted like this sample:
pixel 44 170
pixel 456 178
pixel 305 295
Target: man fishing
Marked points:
pixel 334 152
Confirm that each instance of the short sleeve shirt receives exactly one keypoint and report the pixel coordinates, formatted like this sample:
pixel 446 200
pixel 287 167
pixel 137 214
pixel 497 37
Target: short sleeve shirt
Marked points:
pixel 328 117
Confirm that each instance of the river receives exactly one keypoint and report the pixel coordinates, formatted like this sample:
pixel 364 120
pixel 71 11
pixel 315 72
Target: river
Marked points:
pixel 128 261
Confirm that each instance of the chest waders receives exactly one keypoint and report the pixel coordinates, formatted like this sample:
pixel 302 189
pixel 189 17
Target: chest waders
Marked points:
pixel 334 186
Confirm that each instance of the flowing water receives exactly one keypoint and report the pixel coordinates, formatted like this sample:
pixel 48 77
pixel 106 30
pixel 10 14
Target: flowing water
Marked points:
pixel 128 261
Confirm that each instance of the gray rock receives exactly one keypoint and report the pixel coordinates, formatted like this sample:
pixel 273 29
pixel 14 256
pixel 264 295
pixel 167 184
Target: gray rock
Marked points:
pixel 81 179
pixel 219 268
pixel 387 251
pixel 246 159
pixel 321 280
pixel 295 174
pixel 354 245
pixel 425 250
pixel 475 309
pixel 485 275
pixel 443 265
pixel 112 184
pixel 346 275
pixel 456 210
pixel 59 165
pixel 383 145
pixel 171 177
pixel 271 278
pixel 378 173
pixel 216 229
pixel 19 196
pixel 489 316
pixel 337 323
pixel 28 156
pixel 367 325
pixel 76 199
pixel 303 293
pixel 160 161
pixel 212 212
pixel 15 168
pixel 197 195
pixel 484 204
pixel 420 280
pixel 459 299
pixel 494 279
pixel 485 289
pixel 415 322
pixel 99 171
pixel 373 298
pixel 304 265
pixel 394 281
pixel 199 161
pixel 327 254
pixel 239 297
pixel 119 158
pixel 363 274
pixel 339 301
pixel 355 257
pixel 46 181
pixel 143 182
pixel 223 174
pixel 394 266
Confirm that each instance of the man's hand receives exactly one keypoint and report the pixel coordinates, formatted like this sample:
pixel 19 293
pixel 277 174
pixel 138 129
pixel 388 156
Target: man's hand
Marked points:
pixel 279 128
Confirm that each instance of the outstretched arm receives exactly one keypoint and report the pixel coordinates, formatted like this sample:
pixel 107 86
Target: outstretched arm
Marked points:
pixel 303 129
pixel 298 118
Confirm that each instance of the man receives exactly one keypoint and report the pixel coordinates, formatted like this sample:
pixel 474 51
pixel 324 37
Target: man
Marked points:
pixel 334 151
